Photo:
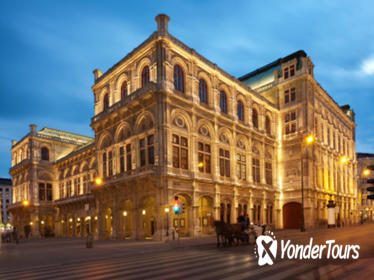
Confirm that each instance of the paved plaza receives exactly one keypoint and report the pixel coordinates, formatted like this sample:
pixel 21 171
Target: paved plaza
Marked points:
pixel 186 259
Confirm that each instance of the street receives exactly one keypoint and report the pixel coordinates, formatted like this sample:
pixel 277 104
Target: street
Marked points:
pixel 188 259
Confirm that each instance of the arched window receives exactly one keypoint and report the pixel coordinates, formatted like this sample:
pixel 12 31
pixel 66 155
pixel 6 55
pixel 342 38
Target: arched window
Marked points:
pixel 145 76
pixel 267 125
pixel 45 153
pixel 203 91
pixel 223 102
pixel 240 111
pixel 178 78
pixel 255 118
pixel 106 101
pixel 123 90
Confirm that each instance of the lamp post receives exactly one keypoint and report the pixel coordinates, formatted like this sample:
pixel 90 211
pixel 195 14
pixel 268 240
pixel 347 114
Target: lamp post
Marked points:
pixel 308 140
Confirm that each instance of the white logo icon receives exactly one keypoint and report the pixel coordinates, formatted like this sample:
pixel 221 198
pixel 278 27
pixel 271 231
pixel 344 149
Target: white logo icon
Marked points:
pixel 266 249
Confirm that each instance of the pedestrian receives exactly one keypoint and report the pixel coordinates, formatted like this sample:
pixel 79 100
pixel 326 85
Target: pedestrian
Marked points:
pixel 247 221
pixel 15 235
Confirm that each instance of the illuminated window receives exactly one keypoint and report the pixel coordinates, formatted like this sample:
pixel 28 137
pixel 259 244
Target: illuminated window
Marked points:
pixel 145 76
pixel 204 157
pixel 224 162
pixel 240 110
pixel 180 152
pixel 256 170
pixel 178 78
pixel 223 102
pixel 240 166
pixel 268 173
pixel 203 91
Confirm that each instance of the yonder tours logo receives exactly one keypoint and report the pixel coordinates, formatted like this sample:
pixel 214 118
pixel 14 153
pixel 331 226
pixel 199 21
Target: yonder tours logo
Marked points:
pixel 266 250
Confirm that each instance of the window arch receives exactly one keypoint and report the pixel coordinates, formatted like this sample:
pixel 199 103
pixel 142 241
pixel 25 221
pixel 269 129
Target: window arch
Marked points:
pixel 178 78
pixel 223 101
pixel 268 125
pixel 240 110
pixel 106 101
pixel 255 118
pixel 145 76
pixel 203 91
pixel 45 153
pixel 124 90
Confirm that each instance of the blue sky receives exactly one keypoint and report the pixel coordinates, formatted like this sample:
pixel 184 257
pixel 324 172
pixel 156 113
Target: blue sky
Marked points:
pixel 49 48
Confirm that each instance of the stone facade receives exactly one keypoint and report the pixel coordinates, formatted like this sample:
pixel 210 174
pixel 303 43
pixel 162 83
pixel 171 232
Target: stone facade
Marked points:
pixel 169 122
pixel 365 166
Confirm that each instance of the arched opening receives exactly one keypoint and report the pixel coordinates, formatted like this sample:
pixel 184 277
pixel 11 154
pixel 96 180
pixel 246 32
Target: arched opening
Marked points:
pixel 106 102
pixel 108 222
pixel 267 125
pixel 124 90
pixel 292 215
pixel 223 102
pixel 126 219
pixel 178 78
pixel 181 221
pixel 206 215
pixel 149 216
pixel 240 110
pixel 145 76
pixel 203 91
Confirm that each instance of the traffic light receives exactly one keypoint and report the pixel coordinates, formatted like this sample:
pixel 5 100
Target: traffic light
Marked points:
pixel 370 189
pixel 182 208
pixel 177 206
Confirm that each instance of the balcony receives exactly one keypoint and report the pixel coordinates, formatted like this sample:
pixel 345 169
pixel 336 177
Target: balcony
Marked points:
pixel 151 86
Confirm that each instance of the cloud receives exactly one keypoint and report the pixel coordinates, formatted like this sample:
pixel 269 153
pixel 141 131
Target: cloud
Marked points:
pixel 367 66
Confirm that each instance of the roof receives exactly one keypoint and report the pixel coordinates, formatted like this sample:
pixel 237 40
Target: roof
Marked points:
pixel 63 136
pixel 5 181
pixel 364 155
pixel 274 64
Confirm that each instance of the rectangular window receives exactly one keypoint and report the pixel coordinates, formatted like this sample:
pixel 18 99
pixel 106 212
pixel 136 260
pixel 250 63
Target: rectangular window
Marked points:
pixel 204 157
pixel 110 165
pixel 76 186
pixel 241 166
pixel 104 165
pixel 290 122
pixel 286 96
pixel 121 159
pixel 289 95
pixel 268 173
pixel 61 189
pixel 41 191
pixel 256 170
pixel 68 189
pixel 180 152
pixel 85 184
pixel 142 152
pixel 128 157
pixel 49 192
pixel 151 150
pixel 292 70
pixel 293 94
pixel 224 162
pixel 286 72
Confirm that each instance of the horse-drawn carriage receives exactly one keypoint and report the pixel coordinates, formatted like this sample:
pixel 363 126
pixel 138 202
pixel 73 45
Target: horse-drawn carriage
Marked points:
pixel 227 233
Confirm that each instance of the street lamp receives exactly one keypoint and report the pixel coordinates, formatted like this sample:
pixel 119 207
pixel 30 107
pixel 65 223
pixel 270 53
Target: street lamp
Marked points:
pixel 167 220
pixel 25 203
pixel 366 172
pixel 308 140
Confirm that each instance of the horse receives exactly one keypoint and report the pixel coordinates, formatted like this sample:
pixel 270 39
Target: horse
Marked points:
pixel 223 232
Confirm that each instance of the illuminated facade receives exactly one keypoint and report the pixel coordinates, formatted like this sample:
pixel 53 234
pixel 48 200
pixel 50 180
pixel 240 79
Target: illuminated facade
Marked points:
pixel 365 163
pixel 170 122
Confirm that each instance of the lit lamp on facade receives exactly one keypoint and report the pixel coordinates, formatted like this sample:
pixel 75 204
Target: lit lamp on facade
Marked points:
pixel 166 209
pixel 98 181
pixel 143 212
pixel 366 172
pixel 344 160
pixel 125 213
pixel 25 203
pixel 42 222
pixel 31 223
pixel 200 164
pixel 309 139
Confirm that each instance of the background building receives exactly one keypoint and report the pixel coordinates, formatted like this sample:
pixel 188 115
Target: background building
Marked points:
pixel 365 206
pixel 5 200
pixel 170 122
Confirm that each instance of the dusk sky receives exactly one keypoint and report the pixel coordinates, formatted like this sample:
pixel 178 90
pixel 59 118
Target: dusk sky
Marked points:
pixel 49 49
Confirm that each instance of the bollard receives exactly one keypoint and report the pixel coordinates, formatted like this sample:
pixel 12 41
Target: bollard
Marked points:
pixel 89 241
